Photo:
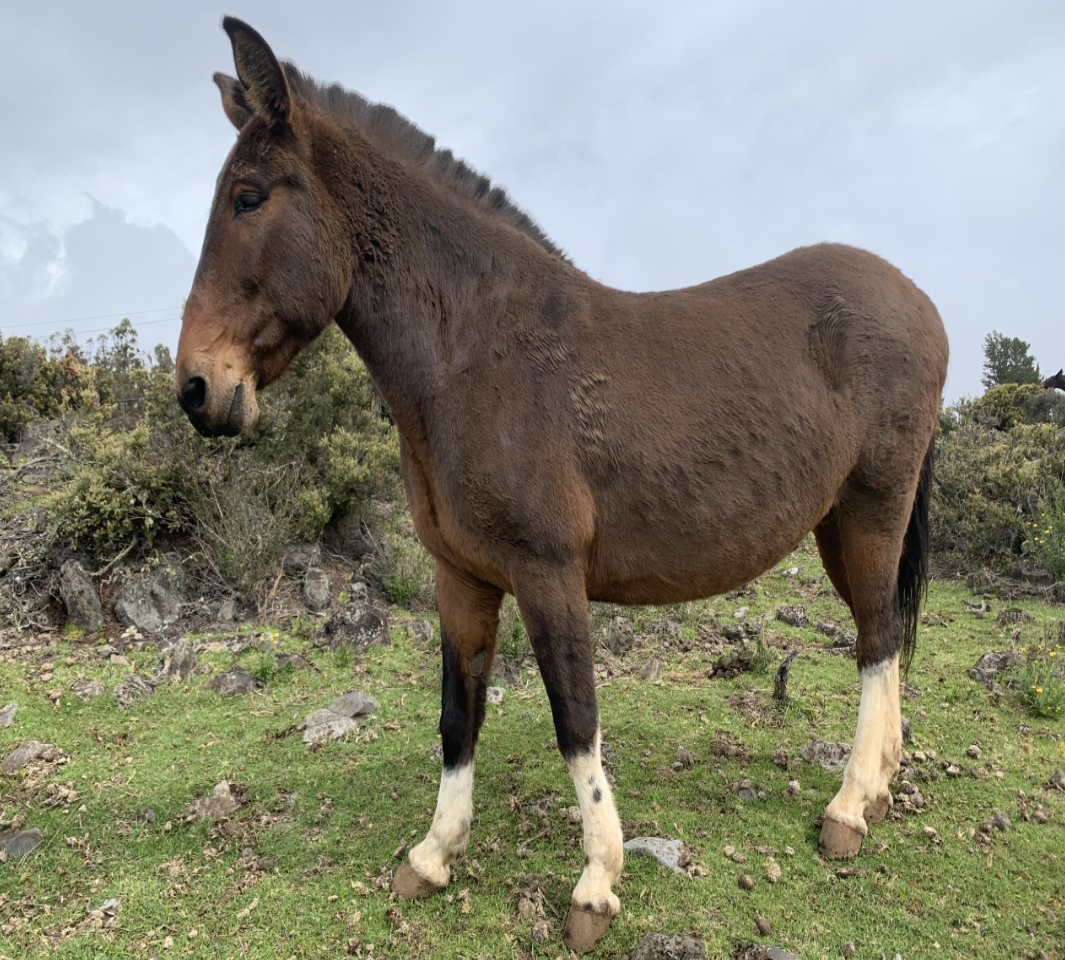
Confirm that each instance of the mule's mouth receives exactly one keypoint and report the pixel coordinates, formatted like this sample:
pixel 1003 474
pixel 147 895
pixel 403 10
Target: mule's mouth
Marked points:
pixel 240 415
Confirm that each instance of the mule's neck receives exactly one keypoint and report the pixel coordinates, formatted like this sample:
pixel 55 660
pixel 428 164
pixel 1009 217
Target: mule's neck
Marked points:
pixel 436 279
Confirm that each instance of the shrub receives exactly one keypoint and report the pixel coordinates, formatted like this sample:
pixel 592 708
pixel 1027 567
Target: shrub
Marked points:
pixel 1040 680
pixel 34 384
pixel 133 467
pixel 1046 536
pixel 996 473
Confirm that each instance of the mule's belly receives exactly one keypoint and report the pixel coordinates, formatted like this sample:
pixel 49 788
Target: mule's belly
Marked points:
pixel 697 530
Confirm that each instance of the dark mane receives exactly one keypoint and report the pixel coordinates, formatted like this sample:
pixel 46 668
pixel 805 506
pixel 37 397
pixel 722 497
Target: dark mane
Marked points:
pixel 392 131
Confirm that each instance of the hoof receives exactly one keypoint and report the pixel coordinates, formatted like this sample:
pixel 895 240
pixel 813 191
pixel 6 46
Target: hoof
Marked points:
pixel 584 927
pixel 838 841
pixel 878 809
pixel 408 885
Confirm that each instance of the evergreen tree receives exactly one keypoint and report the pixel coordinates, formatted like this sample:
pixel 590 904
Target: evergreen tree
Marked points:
pixel 1008 360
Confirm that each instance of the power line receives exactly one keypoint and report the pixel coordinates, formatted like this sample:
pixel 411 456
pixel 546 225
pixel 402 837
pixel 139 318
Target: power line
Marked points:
pixel 101 316
pixel 136 326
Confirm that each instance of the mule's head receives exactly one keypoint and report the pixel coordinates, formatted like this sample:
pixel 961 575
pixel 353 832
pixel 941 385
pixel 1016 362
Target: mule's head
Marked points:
pixel 274 270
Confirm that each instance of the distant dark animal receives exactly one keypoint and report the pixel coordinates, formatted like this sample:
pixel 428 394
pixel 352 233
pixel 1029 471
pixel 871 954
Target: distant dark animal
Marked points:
pixel 1056 382
pixel 564 441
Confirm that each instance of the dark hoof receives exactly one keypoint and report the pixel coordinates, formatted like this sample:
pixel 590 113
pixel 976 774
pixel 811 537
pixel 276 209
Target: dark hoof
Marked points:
pixel 838 841
pixel 878 809
pixel 408 885
pixel 584 927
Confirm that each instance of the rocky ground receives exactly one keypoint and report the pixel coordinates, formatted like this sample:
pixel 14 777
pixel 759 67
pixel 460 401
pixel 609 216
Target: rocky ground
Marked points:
pixel 183 775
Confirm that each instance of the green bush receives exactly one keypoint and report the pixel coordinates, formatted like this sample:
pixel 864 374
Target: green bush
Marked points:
pixel 34 384
pixel 1046 536
pixel 1010 404
pixel 1000 465
pixel 133 471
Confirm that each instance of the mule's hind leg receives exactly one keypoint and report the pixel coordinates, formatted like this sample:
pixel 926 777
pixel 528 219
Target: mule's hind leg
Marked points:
pixel 871 559
pixel 830 547
pixel 555 610
pixel 469 620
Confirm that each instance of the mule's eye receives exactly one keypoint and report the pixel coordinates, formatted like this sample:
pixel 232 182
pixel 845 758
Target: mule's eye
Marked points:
pixel 246 202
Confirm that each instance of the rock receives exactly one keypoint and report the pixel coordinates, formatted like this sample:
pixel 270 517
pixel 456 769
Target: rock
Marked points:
pixel 992 663
pixel 7 714
pixel 347 536
pixel 669 853
pixel 827 754
pixel 973 751
pixel 220 803
pixel 1011 616
pixel 762 925
pixel 758 951
pixel 664 946
pixel 1030 572
pixel 620 636
pixel 339 718
pixel 235 682
pixel 907 731
pixel 153 603
pixel 300 557
pixel 86 689
pixel 736 661
pixel 1057 781
pixel 422 631
pixel 651 670
pixel 22 754
pixel 740 613
pixel 745 882
pixel 668 628
pixel 1000 821
pixel 733 632
pixel 228 610
pixel 105 651
pixel 80 597
pixel 133 687
pixel 494 695
pixel 772 872
pixel 354 704
pixel 179 662
pixel 356 625
pixel 317 590
pixel 18 844
pixel 793 615
pixel 322 725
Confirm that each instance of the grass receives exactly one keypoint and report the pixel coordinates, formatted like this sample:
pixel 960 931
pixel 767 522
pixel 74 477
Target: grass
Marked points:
pixel 302 869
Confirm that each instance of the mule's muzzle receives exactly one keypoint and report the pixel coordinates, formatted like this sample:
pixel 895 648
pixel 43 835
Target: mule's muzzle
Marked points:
pixel 194 397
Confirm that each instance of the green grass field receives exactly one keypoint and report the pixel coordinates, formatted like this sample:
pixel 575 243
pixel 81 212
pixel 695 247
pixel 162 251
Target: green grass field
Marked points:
pixel 302 869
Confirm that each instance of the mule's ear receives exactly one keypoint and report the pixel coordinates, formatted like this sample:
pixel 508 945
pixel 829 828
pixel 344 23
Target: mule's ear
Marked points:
pixel 265 86
pixel 234 102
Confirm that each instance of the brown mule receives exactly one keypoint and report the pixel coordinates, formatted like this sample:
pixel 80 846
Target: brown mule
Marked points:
pixel 562 440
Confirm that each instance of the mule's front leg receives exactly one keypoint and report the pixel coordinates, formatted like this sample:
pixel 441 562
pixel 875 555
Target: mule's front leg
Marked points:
pixel 469 620
pixel 557 621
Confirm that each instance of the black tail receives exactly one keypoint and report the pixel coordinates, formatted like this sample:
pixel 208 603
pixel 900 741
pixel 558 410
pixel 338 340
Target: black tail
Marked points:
pixel 913 564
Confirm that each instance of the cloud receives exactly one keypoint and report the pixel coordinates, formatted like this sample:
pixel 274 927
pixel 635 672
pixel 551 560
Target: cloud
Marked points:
pixel 90 275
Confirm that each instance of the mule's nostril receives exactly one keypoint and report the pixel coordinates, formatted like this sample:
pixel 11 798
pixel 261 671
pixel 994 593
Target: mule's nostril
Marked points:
pixel 195 394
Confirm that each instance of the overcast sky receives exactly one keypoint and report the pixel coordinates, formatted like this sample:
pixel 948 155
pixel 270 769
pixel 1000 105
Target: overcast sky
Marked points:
pixel 659 145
